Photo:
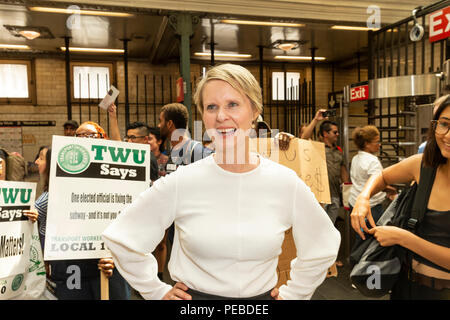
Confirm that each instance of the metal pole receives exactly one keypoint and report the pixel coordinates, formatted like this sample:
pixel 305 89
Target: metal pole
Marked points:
pixel 212 44
pixel 125 65
pixel 68 89
pixel 261 70
pixel 313 81
pixel 183 24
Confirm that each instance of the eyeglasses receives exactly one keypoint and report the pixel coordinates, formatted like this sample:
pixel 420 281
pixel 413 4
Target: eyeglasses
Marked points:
pixel 89 135
pixel 440 126
pixel 126 138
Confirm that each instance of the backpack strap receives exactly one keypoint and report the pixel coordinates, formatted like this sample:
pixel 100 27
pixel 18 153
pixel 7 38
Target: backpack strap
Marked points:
pixel 193 144
pixel 422 195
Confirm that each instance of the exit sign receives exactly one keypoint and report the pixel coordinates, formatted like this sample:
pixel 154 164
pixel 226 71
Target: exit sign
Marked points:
pixel 359 91
pixel 439 24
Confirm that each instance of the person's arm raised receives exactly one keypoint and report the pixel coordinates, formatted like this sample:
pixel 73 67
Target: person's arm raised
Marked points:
pixel 114 124
pixel 307 134
pixel 402 172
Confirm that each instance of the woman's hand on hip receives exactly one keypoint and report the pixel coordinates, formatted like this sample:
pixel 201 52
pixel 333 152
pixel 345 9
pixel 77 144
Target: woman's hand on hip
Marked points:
pixel 275 294
pixel 178 292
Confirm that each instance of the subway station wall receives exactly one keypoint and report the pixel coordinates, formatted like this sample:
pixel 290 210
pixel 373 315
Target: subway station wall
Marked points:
pixel 144 105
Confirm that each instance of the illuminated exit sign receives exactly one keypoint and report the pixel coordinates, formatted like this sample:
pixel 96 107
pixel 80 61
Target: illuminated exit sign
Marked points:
pixel 439 24
pixel 359 91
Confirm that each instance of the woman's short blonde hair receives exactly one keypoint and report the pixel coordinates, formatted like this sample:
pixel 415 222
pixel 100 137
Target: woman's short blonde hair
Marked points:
pixel 236 76
pixel 364 135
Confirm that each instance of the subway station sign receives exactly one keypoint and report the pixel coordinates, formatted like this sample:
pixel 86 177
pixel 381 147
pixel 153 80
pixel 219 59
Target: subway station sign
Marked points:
pixel 439 24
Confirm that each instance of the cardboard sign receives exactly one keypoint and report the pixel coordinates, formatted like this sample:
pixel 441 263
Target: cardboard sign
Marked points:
pixel 91 181
pixel 439 24
pixel 359 91
pixel 305 157
pixel 15 228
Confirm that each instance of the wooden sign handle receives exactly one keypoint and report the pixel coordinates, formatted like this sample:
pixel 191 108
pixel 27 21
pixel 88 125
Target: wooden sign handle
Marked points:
pixel 104 286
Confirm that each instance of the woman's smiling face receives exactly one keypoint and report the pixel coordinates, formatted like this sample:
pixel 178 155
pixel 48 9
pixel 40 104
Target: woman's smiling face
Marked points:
pixel 443 140
pixel 227 113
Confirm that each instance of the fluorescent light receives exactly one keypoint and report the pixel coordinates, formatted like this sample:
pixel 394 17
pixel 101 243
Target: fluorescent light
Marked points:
pixel 263 23
pixel 353 28
pixel 14 46
pixel 85 12
pixel 223 55
pixel 299 58
pixel 104 50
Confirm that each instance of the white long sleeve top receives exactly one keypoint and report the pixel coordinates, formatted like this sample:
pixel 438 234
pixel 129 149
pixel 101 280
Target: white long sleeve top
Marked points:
pixel 229 228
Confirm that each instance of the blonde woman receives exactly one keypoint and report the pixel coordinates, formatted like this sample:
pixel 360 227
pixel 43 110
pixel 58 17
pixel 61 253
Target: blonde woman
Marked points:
pixel 230 213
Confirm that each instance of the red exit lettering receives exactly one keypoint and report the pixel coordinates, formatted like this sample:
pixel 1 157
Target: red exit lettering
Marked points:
pixel 359 93
pixel 439 24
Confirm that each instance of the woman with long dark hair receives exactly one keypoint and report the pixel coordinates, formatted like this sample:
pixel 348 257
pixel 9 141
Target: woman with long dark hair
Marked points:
pixel 430 270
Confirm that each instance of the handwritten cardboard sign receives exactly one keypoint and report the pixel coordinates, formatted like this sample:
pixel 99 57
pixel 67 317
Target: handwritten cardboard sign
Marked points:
pixel 305 157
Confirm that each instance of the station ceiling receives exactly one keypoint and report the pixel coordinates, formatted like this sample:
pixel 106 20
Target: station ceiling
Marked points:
pixel 152 37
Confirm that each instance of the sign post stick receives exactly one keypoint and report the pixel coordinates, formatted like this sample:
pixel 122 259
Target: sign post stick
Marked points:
pixel 104 286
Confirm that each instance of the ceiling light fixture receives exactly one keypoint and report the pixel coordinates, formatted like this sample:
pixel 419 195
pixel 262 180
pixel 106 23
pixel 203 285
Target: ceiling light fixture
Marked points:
pixel 299 58
pixel 14 46
pixel 29 34
pixel 263 23
pixel 353 28
pixel 223 55
pixel 287 46
pixel 84 12
pixel 97 50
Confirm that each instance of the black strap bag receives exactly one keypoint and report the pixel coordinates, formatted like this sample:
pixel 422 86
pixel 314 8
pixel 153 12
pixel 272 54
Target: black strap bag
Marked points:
pixel 376 269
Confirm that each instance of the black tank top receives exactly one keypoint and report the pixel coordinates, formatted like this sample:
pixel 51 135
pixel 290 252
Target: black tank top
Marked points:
pixel 435 228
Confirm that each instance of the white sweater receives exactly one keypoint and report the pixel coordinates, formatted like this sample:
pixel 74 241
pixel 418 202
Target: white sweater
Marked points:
pixel 229 228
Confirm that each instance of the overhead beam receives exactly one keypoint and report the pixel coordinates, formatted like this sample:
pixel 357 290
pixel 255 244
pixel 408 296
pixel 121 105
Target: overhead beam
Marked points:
pixel 158 37
pixel 348 11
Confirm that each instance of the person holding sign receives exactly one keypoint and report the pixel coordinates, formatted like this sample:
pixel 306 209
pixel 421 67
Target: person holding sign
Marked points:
pixel 63 271
pixel 230 210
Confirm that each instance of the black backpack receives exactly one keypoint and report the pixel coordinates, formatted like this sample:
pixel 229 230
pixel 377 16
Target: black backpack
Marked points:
pixel 376 269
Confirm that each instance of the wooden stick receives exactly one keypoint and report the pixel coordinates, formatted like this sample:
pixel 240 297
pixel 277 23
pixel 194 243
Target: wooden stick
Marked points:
pixel 104 286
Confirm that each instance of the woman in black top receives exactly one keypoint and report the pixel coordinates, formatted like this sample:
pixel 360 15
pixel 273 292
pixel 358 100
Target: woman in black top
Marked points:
pixel 430 276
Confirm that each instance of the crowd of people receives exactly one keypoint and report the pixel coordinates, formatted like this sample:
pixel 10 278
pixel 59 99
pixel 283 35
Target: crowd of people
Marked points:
pixel 217 225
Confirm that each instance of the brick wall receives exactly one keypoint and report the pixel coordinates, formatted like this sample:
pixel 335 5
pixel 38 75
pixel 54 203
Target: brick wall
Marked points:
pixel 51 96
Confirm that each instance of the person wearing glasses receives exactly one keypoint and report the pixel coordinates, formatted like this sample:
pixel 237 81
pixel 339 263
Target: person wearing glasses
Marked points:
pixel 436 104
pixel 89 288
pixel 430 275
pixel 138 132
pixel 337 170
